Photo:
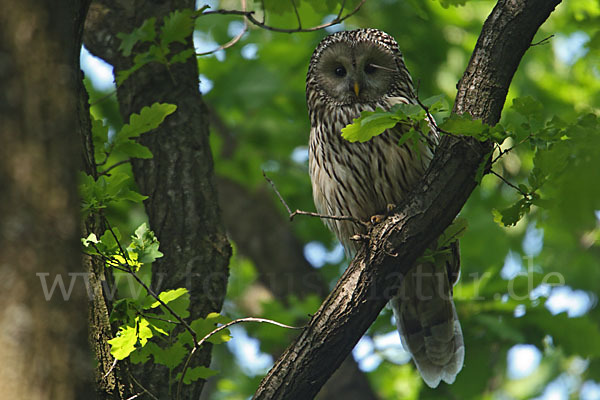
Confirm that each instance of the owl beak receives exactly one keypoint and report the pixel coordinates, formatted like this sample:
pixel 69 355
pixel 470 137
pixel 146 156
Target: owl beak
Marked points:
pixel 356 88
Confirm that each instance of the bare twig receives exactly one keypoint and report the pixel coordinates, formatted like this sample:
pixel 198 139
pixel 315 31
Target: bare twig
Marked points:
pixel 292 214
pixel 512 185
pixel 250 16
pixel 141 387
pixel 101 99
pixel 232 41
pixel 115 165
pixel 159 318
pixel 110 369
pixel 503 152
pixel 541 42
pixel 220 328
pixel 339 15
pixel 297 14
pixel 440 130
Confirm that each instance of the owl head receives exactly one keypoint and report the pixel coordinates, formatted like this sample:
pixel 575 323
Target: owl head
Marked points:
pixel 358 66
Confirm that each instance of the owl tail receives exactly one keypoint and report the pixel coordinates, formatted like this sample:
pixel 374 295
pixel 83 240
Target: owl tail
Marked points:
pixel 428 324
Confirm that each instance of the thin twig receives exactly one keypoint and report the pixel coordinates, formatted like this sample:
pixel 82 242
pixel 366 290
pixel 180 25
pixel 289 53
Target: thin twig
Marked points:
pixel 339 15
pixel 110 369
pixel 141 387
pixel 440 130
pixel 158 318
pixel 503 152
pixel 512 185
pixel 220 328
pixel 292 214
pixel 101 99
pixel 250 16
pixel 232 41
pixel 541 42
pixel 297 14
pixel 115 165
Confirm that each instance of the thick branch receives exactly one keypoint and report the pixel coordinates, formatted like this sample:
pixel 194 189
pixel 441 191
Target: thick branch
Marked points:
pixel 372 276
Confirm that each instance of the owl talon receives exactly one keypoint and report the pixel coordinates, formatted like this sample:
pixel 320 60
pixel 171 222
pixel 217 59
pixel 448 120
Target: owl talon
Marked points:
pixel 359 237
pixel 377 219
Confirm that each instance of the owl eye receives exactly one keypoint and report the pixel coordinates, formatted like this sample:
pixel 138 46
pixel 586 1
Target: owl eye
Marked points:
pixel 369 69
pixel 340 71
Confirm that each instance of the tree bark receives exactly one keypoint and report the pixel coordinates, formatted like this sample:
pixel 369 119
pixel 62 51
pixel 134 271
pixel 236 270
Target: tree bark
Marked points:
pixel 43 338
pixel 111 378
pixel 182 206
pixel 393 246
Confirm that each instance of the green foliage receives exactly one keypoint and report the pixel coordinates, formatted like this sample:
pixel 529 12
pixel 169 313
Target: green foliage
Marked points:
pixel 373 123
pixel 98 194
pixel 177 27
pixel 122 142
pixel 146 321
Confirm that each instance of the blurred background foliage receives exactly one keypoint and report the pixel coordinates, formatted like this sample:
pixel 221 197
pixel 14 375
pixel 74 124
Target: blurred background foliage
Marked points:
pixel 528 293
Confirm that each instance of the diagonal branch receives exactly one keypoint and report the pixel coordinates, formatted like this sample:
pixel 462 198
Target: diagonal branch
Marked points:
pixel 373 275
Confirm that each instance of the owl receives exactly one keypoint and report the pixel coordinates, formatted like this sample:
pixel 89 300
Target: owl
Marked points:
pixel 361 70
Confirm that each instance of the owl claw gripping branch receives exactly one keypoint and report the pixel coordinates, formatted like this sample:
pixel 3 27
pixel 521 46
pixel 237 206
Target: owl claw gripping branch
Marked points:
pixel 362 70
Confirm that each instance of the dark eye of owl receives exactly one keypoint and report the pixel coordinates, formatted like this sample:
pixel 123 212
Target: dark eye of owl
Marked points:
pixel 340 71
pixel 369 69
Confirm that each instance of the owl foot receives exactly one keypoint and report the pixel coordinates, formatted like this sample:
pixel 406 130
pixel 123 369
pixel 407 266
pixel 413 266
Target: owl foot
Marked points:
pixel 378 218
pixel 359 237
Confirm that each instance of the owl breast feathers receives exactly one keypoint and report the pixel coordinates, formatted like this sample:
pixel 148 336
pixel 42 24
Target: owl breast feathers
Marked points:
pixel 361 70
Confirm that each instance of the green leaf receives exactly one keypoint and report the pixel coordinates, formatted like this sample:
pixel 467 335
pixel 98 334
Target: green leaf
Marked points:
pixel 134 149
pixel 145 244
pixel 133 196
pixel 464 124
pixel 145 33
pixel 436 103
pixel 170 356
pixel 368 125
pixel 454 232
pixel 203 326
pixel 513 214
pixel 527 106
pixel 412 135
pixel 482 167
pixel 99 139
pixel 129 338
pixel 177 299
pixel 89 240
pixel 169 296
pixel 177 26
pixel 108 241
pixel 193 374
pixel 149 118
pixel 182 56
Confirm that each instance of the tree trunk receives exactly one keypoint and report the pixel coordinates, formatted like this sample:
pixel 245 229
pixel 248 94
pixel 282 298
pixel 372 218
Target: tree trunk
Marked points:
pixel 111 378
pixel 182 207
pixel 43 335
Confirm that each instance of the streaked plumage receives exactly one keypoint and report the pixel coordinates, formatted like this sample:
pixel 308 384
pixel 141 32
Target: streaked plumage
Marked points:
pixel 350 72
